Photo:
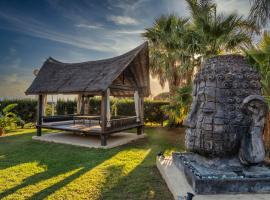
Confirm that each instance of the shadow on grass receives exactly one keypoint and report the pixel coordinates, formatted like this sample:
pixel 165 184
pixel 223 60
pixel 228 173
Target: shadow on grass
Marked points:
pixel 142 182
pixel 57 158
pixel 50 190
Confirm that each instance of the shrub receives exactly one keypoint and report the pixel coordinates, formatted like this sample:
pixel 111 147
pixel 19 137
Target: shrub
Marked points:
pixel 29 125
pixel 8 119
pixel 65 107
pixel 26 109
pixel 178 108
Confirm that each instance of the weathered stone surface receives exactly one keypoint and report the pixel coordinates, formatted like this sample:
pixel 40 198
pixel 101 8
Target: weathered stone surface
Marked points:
pixel 227 114
pixel 222 176
pixel 224 130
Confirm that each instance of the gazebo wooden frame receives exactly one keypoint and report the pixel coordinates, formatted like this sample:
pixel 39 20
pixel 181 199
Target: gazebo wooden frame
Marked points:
pixel 123 76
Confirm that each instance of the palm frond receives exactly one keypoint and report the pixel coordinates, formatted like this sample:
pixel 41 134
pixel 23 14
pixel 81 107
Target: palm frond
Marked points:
pixel 260 12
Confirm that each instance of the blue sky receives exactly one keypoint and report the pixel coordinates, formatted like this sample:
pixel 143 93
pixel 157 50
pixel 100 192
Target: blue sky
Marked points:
pixel 77 30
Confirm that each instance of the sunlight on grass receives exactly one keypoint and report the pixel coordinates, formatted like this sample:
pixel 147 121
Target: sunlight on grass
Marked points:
pixel 34 170
pixel 30 190
pixel 27 131
pixel 92 183
pixel 15 175
pixel 19 132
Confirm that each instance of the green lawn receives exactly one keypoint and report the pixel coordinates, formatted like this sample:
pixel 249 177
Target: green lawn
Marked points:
pixel 38 170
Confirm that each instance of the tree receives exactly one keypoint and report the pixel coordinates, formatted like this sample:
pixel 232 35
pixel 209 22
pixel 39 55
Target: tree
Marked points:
pixel 171 51
pixel 8 118
pixel 219 33
pixel 177 44
pixel 260 12
pixel 259 57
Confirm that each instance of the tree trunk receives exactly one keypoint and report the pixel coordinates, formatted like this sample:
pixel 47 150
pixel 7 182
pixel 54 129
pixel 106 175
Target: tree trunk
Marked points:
pixel 2 131
pixel 267 134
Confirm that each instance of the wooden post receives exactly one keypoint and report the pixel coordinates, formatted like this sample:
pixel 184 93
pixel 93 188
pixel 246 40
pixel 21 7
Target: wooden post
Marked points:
pixel 141 104
pixel 39 115
pixel 103 135
pixel 86 105
pixel 79 104
pixel 82 105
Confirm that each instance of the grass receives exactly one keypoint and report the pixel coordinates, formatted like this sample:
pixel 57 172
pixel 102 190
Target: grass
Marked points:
pixel 37 170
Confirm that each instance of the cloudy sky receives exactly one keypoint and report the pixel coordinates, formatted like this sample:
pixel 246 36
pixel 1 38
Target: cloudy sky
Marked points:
pixel 75 31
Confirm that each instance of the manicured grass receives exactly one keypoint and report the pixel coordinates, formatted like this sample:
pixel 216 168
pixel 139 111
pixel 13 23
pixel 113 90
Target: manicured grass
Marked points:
pixel 38 170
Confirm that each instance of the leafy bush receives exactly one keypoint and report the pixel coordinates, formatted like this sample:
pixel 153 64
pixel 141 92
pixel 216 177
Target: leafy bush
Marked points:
pixel 65 107
pixel 29 125
pixel 177 110
pixel 26 109
pixel 119 106
pixel 8 119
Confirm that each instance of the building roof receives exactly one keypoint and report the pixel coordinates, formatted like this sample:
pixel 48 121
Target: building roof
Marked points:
pixel 122 74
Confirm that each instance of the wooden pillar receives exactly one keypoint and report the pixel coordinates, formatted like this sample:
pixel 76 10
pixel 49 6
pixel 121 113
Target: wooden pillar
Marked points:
pixel 103 135
pixel 44 104
pixel 39 115
pixel 86 105
pixel 141 114
pixel 142 110
pixel 79 104
pixel 82 105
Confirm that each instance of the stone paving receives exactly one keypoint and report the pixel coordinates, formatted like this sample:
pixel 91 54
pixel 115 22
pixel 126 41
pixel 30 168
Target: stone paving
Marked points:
pixel 89 141
pixel 177 184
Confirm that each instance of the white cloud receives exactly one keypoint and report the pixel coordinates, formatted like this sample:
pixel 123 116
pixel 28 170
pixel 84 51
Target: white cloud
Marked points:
pixel 241 7
pixel 35 28
pixel 122 20
pixel 93 26
pixel 129 32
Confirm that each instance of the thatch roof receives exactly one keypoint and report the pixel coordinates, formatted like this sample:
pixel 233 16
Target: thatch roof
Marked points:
pixel 123 74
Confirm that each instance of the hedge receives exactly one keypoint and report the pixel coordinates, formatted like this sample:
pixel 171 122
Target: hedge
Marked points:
pixel 153 113
pixel 26 108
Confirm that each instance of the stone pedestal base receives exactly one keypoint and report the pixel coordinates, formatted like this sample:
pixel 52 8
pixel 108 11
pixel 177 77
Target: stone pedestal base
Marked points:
pixel 222 176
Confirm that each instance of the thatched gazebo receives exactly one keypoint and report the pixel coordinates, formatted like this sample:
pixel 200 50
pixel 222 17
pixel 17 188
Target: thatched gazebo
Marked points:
pixel 122 76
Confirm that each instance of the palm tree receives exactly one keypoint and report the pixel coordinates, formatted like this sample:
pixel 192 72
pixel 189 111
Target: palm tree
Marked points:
pixel 171 50
pixel 178 44
pixel 259 56
pixel 219 33
pixel 260 12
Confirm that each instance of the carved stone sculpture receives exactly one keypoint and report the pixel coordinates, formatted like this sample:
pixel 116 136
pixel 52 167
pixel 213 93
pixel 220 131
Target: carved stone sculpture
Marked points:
pixel 227 114
pixel 224 130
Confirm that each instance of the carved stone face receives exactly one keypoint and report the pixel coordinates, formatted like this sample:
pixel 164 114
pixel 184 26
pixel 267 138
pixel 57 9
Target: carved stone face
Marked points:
pixel 216 122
